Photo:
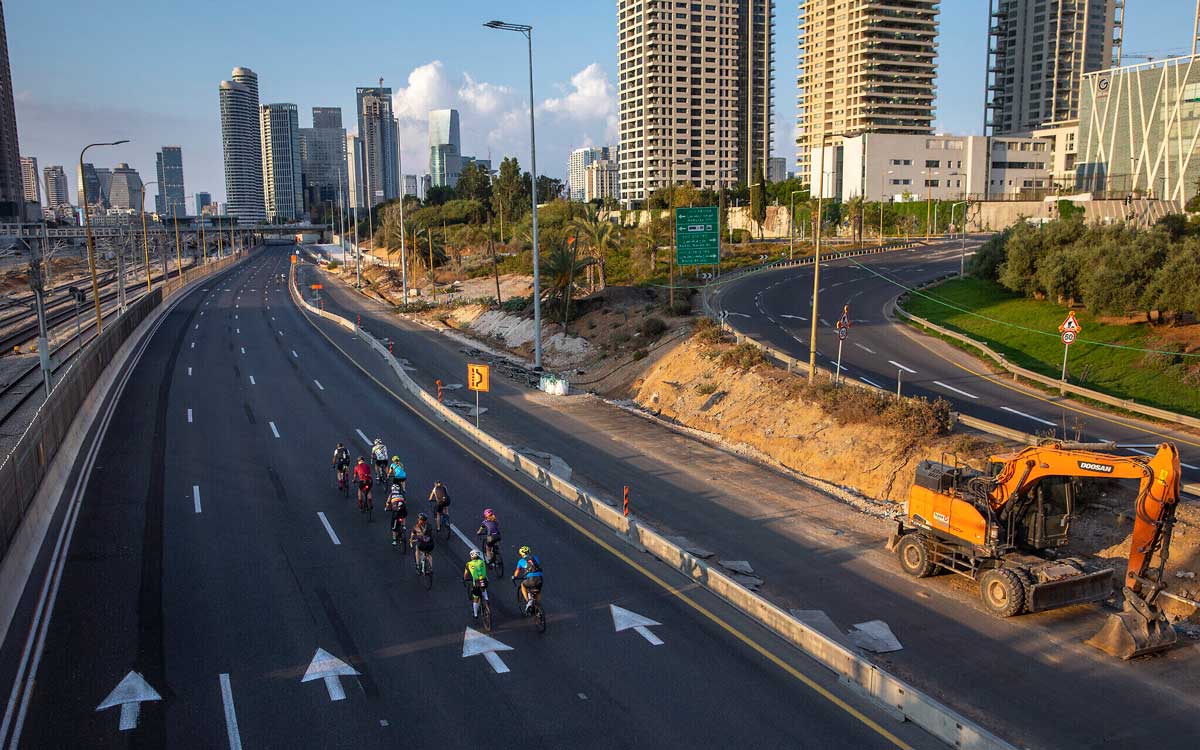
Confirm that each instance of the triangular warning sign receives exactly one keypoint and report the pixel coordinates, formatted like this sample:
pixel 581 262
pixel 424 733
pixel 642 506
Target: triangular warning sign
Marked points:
pixel 1070 324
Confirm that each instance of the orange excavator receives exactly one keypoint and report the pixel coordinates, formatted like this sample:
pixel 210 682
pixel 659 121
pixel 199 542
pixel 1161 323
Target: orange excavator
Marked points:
pixel 1000 529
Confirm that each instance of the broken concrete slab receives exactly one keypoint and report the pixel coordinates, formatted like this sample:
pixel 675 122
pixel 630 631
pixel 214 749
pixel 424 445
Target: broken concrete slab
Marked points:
pixel 474 412
pixel 821 622
pixel 874 635
pixel 691 547
pixel 749 582
pixel 737 566
pixel 451 386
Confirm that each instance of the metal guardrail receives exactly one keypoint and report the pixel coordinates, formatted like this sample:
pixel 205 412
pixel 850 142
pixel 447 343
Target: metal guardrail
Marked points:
pixel 22 470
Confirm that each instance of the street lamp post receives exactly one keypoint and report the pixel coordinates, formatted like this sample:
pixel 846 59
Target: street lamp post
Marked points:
pixel 91 242
pixel 882 195
pixel 962 254
pixel 527 30
pixel 792 224
pixel 812 344
pixel 928 201
pixel 145 238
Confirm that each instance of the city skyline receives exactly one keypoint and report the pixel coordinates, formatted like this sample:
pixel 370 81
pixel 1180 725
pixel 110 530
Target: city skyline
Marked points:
pixel 485 82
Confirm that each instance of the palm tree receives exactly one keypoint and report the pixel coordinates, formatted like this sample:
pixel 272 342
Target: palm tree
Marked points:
pixel 854 211
pixel 600 236
pixel 560 267
pixel 390 231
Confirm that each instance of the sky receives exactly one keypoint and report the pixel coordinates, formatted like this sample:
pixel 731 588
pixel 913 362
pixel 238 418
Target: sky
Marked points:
pixel 149 71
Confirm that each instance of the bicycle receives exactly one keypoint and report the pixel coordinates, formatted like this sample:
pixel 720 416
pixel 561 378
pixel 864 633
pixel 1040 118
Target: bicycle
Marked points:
pixel 399 534
pixel 485 610
pixel 365 504
pixel 425 568
pixel 443 520
pixel 491 555
pixel 343 481
pixel 535 606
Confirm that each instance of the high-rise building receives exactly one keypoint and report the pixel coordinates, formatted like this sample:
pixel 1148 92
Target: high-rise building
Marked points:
pixel 241 140
pixel 411 185
pixel 89 183
pixel 776 169
pixel 202 201
pixel 426 184
pixel 105 176
pixel 864 67
pixel 1038 52
pixel 354 172
pixel 11 189
pixel 323 157
pixel 378 139
pixel 577 165
pixel 30 187
pixel 125 190
pixel 170 199
pixel 695 92
pixel 445 147
pixel 283 186
pixel 601 180
pixel 57 197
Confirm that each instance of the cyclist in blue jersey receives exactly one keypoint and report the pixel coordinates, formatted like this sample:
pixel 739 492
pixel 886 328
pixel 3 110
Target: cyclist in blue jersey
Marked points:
pixel 529 573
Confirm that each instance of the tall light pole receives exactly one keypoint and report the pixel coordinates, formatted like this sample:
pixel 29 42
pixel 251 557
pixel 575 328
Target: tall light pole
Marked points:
pixel 403 247
pixel 145 239
pixel 537 302
pixel 882 195
pixel 928 201
pixel 812 344
pixel 91 242
pixel 962 252
pixel 792 224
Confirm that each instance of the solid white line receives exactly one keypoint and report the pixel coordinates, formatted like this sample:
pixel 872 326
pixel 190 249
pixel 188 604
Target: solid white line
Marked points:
pixel 196 497
pixel 865 349
pixel 1189 466
pixel 1028 416
pixel 189 416
pixel 465 540
pixel 870 382
pixel 329 528
pixel 231 727
pixel 902 367
pixel 1141 452
pixel 366 440
pixel 952 388
pixel 252 380
pixel 318 382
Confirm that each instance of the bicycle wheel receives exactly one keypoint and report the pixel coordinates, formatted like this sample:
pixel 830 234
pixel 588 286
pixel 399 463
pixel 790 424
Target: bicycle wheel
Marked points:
pixel 485 611
pixel 539 616
pixel 428 575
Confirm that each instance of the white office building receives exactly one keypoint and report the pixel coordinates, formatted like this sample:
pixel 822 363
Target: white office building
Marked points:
pixel 283 185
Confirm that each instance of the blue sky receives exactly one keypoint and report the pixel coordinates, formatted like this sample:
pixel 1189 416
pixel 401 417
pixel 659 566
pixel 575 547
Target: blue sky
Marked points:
pixel 149 71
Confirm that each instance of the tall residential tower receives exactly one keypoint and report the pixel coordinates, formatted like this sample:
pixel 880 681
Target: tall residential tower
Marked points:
pixel 445 147
pixel 323 159
pixel 695 92
pixel 31 189
pixel 865 66
pixel 170 198
pixel 378 139
pixel 57 197
pixel 1037 54
pixel 283 188
pixel 242 143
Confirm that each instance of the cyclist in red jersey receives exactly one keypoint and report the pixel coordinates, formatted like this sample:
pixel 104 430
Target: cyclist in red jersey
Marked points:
pixel 363 477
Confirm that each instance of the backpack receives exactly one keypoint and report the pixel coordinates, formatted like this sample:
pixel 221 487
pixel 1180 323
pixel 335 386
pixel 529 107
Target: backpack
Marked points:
pixel 532 565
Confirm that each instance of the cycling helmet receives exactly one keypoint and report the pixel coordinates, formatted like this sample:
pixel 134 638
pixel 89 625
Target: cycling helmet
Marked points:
pixel 378 441
pixel 340 445
pixel 422 517
pixel 474 554
pixel 488 512
pixel 361 459
pixel 395 459
pixel 523 551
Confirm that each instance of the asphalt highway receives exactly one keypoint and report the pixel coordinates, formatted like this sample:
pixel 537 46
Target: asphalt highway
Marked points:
pixel 214 567
pixel 774 307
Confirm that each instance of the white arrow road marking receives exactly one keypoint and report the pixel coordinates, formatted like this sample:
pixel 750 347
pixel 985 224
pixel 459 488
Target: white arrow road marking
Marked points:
pixel 196 497
pixel 332 536
pixel 231 725
pixel 475 643
pixel 129 695
pixel 325 666
pixel 318 382
pixel 952 388
pixel 870 382
pixel 1028 416
pixel 189 416
pixel 252 380
pixel 865 349
pixel 623 619
pixel 902 367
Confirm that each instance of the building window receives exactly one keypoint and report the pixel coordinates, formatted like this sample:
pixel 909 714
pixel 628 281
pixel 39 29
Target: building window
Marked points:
pixel 932 164
pixel 931 183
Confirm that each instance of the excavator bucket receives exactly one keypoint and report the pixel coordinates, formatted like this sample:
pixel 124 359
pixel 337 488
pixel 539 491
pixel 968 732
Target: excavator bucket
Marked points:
pixel 1135 631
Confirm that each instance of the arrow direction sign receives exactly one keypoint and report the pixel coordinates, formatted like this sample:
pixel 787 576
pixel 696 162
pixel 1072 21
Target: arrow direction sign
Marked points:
pixel 623 619
pixel 475 643
pixel 326 666
pixel 130 694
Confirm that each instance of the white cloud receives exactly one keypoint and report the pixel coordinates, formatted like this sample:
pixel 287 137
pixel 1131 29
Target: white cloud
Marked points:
pixel 483 97
pixel 591 97
pixel 428 88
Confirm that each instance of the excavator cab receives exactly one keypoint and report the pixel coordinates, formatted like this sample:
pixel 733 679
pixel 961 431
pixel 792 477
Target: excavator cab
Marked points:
pixel 1045 520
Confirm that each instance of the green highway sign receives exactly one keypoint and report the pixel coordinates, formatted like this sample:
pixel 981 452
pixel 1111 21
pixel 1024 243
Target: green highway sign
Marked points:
pixel 697 236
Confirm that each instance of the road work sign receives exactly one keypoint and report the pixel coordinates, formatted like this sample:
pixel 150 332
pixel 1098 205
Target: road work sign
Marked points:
pixel 1070 324
pixel 697 236
pixel 318 286
pixel 478 377
pixel 843 324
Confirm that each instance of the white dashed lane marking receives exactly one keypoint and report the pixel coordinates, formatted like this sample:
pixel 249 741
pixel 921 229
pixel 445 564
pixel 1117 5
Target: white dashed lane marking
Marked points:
pixel 902 367
pixel 1011 410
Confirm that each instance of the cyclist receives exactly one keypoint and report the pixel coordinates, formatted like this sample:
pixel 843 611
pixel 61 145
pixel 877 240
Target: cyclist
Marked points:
pixel 399 510
pixel 475 579
pixel 422 541
pixel 489 530
pixel 362 477
pixel 341 460
pixel 396 472
pixel 439 497
pixel 529 573
pixel 379 452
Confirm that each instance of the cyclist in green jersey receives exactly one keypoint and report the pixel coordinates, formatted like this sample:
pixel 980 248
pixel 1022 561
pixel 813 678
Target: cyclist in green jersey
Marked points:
pixel 475 579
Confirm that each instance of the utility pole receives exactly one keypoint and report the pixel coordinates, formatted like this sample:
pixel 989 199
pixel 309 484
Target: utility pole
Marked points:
pixel 35 281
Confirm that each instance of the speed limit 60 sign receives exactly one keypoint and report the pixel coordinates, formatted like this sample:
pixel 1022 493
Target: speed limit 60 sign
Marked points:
pixel 1068 337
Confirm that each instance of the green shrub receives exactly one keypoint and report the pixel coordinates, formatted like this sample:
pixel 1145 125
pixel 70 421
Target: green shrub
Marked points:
pixel 653 327
pixel 707 331
pixel 745 357
pixel 706 389
pixel 516 304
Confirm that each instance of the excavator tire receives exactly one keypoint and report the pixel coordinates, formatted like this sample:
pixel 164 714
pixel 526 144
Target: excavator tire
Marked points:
pixel 1026 579
pixel 914 557
pixel 1002 592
